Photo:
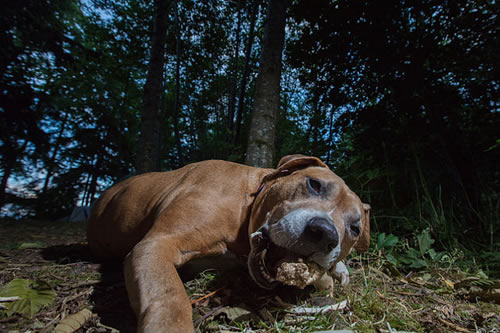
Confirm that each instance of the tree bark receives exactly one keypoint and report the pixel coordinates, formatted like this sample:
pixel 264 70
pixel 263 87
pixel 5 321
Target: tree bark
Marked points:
pixel 52 161
pixel 10 160
pixel 267 95
pixel 93 183
pixel 148 150
pixel 177 86
pixel 234 74
pixel 246 69
pixel 7 171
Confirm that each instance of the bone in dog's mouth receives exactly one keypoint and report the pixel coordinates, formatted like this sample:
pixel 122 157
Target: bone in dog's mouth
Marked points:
pixel 265 259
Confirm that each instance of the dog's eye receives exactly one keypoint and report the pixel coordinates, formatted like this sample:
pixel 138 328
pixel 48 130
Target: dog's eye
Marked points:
pixel 355 230
pixel 314 185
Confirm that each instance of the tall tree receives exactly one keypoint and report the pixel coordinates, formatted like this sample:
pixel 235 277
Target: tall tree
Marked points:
pixel 246 70
pixel 234 72
pixel 177 83
pixel 267 95
pixel 148 150
pixel 29 32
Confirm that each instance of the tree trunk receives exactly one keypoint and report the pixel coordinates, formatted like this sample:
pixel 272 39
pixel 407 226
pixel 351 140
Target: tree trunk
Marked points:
pixel 177 86
pixel 10 160
pixel 234 74
pixel 267 95
pixel 93 183
pixel 86 189
pixel 330 137
pixel 7 171
pixel 315 126
pixel 246 69
pixel 52 162
pixel 148 150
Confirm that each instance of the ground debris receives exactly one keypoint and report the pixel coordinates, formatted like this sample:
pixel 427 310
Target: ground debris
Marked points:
pixel 434 299
pixel 319 309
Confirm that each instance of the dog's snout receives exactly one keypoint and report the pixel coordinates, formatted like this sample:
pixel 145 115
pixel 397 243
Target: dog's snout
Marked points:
pixel 322 233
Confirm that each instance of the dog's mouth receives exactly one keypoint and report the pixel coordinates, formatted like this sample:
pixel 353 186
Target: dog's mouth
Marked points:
pixel 264 258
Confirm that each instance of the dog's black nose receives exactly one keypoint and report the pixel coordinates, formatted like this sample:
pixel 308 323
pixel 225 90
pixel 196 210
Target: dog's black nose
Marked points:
pixel 322 233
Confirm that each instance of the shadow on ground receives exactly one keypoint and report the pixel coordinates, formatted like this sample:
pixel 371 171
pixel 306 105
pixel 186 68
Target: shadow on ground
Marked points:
pixel 109 298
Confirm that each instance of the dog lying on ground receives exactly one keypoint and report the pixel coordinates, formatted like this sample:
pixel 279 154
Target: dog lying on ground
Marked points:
pixel 300 213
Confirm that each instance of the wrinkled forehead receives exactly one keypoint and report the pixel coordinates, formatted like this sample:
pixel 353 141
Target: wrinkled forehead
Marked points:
pixel 337 189
pixel 324 174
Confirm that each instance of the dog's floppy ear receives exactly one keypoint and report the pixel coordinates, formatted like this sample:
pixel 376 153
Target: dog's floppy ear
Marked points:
pixel 298 161
pixel 291 163
pixel 363 242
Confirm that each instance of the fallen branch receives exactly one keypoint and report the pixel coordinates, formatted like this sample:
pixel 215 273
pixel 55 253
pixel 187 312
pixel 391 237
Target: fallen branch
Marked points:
pixel 206 296
pixel 318 309
pixel 208 314
pixel 454 326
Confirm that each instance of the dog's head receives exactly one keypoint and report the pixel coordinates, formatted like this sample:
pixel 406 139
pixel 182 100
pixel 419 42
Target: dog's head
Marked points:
pixel 303 209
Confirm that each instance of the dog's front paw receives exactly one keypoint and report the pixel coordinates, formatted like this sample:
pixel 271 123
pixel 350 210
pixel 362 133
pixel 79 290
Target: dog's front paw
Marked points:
pixel 341 273
pixel 325 283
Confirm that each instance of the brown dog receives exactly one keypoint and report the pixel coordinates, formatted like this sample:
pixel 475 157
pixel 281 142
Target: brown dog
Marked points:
pixel 160 221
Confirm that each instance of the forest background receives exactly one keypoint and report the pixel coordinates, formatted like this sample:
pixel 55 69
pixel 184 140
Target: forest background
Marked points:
pixel 399 98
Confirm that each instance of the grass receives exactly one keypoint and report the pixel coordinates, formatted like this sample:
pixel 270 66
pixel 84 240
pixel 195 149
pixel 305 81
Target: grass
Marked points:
pixel 442 296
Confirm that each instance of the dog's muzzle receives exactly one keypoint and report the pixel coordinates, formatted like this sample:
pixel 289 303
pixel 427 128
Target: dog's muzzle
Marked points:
pixel 303 233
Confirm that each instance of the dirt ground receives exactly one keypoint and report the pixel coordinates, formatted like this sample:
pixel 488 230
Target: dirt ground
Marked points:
pixel 376 300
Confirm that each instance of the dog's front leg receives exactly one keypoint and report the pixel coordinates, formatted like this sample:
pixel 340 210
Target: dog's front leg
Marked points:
pixel 155 290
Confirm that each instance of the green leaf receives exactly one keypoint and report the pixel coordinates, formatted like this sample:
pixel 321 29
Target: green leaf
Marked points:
pixel 390 241
pixel 412 253
pixel 436 256
pixel 386 241
pixel 380 240
pixel 392 259
pixel 32 245
pixel 418 263
pixel 405 259
pixel 34 295
pixel 424 241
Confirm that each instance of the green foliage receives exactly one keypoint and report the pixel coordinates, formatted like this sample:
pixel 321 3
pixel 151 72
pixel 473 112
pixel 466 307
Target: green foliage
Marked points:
pixel 386 242
pixel 72 80
pixel 34 295
pixel 402 255
pixel 490 260
pixel 415 122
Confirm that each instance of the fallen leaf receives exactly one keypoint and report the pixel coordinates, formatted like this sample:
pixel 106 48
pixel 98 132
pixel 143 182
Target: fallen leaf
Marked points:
pixel 32 245
pixel 73 322
pixel 33 295
pixel 238 313
pixel 449 283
